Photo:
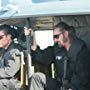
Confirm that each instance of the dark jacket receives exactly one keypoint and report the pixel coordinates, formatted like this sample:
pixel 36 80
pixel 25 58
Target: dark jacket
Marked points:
pixel 78 63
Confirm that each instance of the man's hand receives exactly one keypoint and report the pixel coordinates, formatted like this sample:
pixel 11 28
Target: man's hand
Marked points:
pixel 30 32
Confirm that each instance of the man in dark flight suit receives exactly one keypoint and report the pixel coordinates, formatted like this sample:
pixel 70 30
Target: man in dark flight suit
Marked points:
pixel 70 48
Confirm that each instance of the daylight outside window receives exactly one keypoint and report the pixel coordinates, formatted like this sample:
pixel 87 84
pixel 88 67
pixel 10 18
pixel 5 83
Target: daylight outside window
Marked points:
pixel 44 38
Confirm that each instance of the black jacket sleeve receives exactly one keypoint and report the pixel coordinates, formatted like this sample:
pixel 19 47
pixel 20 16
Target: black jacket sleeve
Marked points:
pixel 45 56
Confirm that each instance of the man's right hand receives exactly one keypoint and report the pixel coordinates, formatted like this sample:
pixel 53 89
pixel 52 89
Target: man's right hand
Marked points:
pixel 31 32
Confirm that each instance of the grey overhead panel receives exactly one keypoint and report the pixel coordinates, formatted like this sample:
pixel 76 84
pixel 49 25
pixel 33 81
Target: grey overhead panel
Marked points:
pixel 54 8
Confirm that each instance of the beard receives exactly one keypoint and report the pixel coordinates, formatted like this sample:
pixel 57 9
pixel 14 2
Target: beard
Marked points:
pixel 64 40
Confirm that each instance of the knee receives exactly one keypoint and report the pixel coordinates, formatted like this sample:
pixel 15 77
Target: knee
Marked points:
pixel 40 77
pixel 38 74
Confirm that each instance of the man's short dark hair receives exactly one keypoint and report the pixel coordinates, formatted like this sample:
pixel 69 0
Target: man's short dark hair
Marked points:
pixel 62 26
pixel 65 27
pixel 7 30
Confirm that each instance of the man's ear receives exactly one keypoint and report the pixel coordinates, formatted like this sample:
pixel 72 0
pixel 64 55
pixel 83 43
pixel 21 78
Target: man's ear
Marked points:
pixel 66 33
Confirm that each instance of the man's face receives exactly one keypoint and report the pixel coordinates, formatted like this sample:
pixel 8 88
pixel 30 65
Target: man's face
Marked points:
pixel 4 40
pixel 58 36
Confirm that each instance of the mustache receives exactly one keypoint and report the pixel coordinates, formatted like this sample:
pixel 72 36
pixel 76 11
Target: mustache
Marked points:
pixel 56 44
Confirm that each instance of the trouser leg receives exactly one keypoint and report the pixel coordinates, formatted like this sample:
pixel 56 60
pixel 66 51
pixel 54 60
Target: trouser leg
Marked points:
pixel 5 84
pixel 15 84
pixel 51 84
pixel 37 81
